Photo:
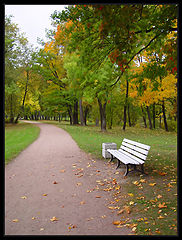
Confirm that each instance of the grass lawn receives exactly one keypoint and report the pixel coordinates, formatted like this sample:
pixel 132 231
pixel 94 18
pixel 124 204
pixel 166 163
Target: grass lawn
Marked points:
pixel 18 137
pixel 151 198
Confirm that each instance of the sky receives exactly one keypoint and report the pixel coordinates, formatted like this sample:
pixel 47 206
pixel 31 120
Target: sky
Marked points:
pixel 33 19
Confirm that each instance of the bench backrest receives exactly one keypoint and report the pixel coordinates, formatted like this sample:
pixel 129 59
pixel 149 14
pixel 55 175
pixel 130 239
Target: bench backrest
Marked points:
pixel 135 150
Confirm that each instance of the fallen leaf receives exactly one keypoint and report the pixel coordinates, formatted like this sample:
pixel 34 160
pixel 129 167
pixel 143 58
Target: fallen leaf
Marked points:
pixel 127 209
pixel 116 222
pixel 53 219
pixel 162 205
pixel 98 196
pixel 33 218
pixel 135 182
pixel 160 217
pixel 89 219
pixel 117 188
pixel 152 184
pixel 133 229
pixel 130 194
pixel 24 197
pixel 120 211
pixel 131 202
pixel 41 229
pixel 55 182
pixel 62 170
pixel 79 184
pixel 162 173
pixel 108 189
pixel 80 175
pixel 159 196
pixel 142 180
pixel 140 197
pixel 45 194
pixel 15 220
pixel 104 216
pixel 83 202
pixel 113 207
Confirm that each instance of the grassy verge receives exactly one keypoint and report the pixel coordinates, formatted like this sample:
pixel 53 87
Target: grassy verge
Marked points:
pixel 151 198
pixel 18 137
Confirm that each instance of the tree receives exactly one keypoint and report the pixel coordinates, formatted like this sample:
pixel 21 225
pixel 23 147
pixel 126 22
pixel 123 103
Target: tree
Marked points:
pixel 15 43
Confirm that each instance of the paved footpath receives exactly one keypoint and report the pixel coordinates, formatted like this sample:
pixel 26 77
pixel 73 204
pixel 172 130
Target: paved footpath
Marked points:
pixel 54 188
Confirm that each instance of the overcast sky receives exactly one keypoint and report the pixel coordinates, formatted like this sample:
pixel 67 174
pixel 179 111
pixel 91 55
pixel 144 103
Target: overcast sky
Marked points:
pixel 33 19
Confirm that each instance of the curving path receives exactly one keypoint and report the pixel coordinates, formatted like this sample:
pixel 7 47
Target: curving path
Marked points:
pixel 52 188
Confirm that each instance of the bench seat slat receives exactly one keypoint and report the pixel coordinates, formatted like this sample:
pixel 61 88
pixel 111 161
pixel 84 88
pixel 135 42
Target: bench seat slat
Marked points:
pixel 140 150
pixel 140 161
pixel 134 152
pixel 147 147
pixel 124 158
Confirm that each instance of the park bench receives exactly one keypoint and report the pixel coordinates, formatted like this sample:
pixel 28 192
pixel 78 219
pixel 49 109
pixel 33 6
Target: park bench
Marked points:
pixel 130 153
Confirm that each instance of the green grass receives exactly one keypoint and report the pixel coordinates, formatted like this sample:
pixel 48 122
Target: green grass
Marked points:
pixel 161 166
pixel 18 137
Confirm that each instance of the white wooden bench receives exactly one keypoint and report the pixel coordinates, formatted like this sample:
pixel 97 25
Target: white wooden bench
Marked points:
pixel 130 153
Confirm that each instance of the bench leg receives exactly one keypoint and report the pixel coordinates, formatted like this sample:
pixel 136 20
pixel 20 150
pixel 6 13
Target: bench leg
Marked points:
pixel 127 169
pixel 142 168
pixel 118 164
pixel 111 158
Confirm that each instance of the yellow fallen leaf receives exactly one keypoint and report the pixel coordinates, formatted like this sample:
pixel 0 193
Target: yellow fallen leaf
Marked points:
pixel 45 194
pixel 135 182
pixel 83 202
pixel 142 180
pixel 130 194
pixel 62 170
pixel 104 216
pixel 113 207
pixel 160 217
pixel 89 219
pixel 24 197
pixel 133 229
pixel 116 222
pixel 152 184
pixel 53 219
pixel 33 218
pixel 131 202
pixel 117 188
pixel 15 220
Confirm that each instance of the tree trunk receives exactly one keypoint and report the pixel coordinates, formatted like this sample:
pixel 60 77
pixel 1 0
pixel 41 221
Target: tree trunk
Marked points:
pixel 97 122
pixel 164 116
pixel 81 113
pixel 102 109
pixel 125 106
pixel 149 117
pixel 11 109
pixel 153 110
pixel 70 114
pixel 75 113
pixel 129 120
pixel 85 115
pixel 144 118
pixel 23 103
